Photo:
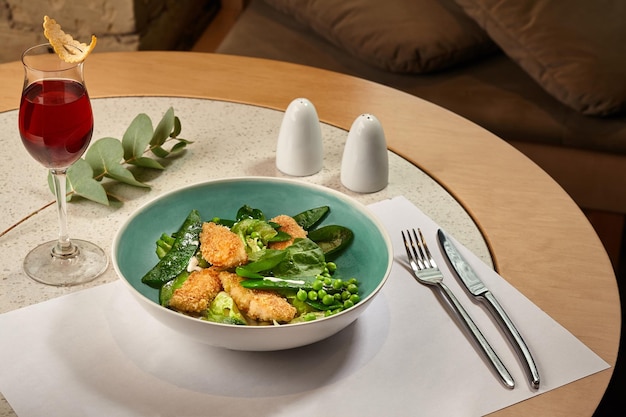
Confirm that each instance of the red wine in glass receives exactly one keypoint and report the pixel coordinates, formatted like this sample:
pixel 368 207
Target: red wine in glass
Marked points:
pixel 55 121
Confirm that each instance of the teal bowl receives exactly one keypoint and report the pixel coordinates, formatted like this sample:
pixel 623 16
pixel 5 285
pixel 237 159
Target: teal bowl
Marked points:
pixel 369 257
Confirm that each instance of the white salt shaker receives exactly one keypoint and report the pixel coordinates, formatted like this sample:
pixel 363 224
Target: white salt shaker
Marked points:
pixel 365 162
pixel 299 149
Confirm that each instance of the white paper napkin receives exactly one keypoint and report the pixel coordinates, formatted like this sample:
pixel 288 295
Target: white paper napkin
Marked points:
pixel 97 353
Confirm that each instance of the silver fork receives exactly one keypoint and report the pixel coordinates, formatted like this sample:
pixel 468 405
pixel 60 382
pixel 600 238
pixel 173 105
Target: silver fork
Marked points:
pixel 426 272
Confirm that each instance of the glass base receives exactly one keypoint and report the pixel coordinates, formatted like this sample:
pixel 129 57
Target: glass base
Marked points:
pixel 86 264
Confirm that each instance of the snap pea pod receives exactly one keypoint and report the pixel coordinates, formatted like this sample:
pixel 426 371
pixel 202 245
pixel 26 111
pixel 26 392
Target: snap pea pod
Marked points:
pixel 270 259
pixel 275 283
pixel 318 305
pixel 176 259
pixel 320 285
pixel 164 245
pixel 167 290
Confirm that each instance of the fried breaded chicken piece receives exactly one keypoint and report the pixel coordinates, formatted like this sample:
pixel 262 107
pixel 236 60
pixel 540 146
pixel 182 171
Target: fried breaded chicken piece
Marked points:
pixel 289 226
pixel 257 304
pixel 221 247
pixel 197 292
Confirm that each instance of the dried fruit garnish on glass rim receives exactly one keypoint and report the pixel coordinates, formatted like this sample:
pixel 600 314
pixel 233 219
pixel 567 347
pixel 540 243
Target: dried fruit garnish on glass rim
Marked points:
pixel 66 47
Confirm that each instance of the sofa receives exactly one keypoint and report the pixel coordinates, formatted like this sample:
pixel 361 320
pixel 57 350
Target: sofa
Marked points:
pixel 547 76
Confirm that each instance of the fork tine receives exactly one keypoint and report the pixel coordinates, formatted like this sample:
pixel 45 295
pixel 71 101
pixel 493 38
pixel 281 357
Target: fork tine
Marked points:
pixel 412 250
pixel 429 261
pixel 419 246
pixel 409 246
pixel 419 243
pixel 406 245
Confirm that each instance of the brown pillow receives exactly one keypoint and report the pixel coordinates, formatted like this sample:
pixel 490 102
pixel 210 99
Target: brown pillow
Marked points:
pixel 409 36
pixel 575 49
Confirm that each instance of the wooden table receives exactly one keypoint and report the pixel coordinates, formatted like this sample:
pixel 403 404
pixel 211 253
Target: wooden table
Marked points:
pixel 540 240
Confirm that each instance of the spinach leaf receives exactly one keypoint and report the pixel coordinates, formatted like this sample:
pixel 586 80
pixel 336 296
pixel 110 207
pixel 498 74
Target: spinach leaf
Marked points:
pixel 247 212
pixel 303 257
pixel 332 239
pixel 309 218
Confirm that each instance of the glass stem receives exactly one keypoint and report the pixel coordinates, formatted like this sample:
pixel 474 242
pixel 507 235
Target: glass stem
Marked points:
pixel 64 247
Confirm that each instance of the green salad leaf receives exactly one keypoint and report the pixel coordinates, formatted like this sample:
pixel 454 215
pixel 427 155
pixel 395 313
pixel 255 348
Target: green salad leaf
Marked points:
pixel 303 258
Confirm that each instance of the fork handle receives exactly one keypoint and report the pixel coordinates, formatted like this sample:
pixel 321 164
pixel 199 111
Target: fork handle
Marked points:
pixel 497 364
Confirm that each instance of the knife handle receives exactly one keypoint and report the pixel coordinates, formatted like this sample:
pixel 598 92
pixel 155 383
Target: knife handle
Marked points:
pixel 531 367
pixel 497 364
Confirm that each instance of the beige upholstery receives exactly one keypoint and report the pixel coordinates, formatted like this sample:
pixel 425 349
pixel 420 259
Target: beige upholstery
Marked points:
pixel 407 36
pixel 493 91
pixel 574 49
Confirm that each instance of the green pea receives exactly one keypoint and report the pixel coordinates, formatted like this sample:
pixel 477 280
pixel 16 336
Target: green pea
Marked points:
pixel 337 284
pixel 309 317
pixel 352 288
pixel 331 266
pixel 318 285
pixel 312 295
pixel 355 298
pixel 328 300
pixel 348 304
pixel 345 295
pixel 302 295
pixel 321 294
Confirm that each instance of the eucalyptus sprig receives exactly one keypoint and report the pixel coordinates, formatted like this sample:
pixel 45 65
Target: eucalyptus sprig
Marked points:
pixel 107 157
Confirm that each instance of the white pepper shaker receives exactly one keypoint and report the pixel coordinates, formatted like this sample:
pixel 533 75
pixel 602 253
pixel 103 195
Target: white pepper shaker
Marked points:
pixel 365 162
pixel 299 149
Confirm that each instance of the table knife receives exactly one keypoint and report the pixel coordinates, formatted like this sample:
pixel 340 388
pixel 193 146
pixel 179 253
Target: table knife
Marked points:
pixel 478 289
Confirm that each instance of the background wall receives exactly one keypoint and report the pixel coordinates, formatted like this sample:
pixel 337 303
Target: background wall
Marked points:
pixel 120 25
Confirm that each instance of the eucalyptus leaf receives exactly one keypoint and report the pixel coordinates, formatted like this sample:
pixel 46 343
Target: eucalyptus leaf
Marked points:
pixel 177 127
pixel 164 128
pixel 179 147
pixel 105 157
pixel 160 151
pixel 108 156
pixel 122 174
pixel 103 154
pixel 137 137
pixel 80 182
pixel 147 163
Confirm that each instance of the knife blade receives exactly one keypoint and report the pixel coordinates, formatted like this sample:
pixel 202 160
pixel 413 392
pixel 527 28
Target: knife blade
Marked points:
pixel 477 288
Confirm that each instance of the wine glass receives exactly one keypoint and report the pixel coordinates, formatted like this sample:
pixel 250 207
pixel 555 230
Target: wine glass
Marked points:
pixel 56 124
